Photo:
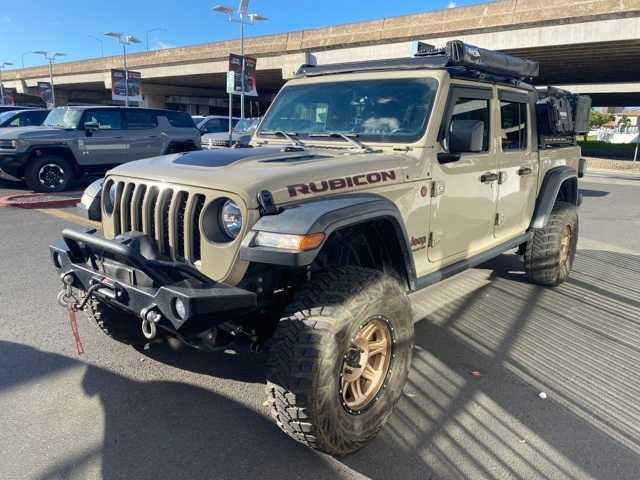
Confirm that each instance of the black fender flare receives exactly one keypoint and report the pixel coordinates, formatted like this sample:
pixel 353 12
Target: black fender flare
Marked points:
pixel 325 215
pixel 551 185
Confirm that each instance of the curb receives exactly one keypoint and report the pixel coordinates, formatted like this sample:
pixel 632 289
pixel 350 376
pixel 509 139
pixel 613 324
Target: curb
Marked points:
pixel 40 200
pixel 610 164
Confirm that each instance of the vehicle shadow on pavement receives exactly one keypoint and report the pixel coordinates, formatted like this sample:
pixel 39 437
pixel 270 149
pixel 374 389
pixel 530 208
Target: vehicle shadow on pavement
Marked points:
pixel 488 345
pixel 237 364
pixel 161 429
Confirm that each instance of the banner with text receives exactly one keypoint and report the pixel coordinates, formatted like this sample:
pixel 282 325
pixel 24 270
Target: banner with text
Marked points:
pixel 119 86
pixel 235 66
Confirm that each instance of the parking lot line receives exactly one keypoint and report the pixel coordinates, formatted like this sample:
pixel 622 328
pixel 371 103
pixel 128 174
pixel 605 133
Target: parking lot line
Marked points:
pixel 70 217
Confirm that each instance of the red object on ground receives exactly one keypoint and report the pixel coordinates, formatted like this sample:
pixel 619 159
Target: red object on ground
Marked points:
pixel 41 200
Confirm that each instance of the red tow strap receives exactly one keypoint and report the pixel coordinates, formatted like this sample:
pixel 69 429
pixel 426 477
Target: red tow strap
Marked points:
pixel 74 329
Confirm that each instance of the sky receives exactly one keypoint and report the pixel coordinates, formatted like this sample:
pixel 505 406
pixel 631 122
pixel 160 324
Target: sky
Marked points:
pixel 66 25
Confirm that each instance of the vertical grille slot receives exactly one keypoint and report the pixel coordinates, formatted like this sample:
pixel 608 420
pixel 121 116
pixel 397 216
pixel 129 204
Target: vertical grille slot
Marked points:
pixel 125 210
pixel 162 218
pixel 148 213
pixel 117 209
pixel 194 223
pixel 136 207
pixel 179 222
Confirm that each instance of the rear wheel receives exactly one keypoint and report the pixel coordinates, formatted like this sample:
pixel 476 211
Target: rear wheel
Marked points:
pixel 549 255
pixel 339 360
pixel 49 173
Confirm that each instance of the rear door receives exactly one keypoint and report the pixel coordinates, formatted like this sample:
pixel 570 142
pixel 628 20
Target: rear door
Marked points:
pixel 142 133
pixel 107 145
pixel 517 163
pixel 465 197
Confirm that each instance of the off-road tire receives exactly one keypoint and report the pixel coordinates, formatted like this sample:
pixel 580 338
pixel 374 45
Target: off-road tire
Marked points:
pixel 542 257
pixel 60 164
pixel 119 326
pixel 307 352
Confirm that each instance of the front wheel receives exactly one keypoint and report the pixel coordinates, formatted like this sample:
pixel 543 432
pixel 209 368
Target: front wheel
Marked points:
pixel 340 358
pixel 549 255
pixel 49 173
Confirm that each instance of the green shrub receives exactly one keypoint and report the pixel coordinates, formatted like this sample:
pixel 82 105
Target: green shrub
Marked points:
pixel 592 148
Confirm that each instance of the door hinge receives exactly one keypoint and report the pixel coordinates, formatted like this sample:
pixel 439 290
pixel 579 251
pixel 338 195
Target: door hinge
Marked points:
pixel 434 239
pixel 499 220
pixel 437 188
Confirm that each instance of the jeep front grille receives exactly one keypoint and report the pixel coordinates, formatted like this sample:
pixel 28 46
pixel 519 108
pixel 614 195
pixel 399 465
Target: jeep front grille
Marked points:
pixel 169 216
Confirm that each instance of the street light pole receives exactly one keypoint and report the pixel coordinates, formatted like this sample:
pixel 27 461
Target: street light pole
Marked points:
pixel 24 55
pixel 2 65
pixel 50 57
pixel 99 40
pixel 159 29
pixel 240 16
pixel 124 41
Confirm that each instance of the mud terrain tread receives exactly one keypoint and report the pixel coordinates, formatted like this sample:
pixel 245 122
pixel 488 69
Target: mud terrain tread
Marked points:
pixel 115 324
pixel 309 323
pixel 542 252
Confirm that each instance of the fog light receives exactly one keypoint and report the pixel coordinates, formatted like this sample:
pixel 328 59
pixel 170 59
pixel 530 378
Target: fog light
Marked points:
pixel 180 308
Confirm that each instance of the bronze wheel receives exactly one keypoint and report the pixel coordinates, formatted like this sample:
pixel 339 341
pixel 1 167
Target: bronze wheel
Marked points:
pixel 365 365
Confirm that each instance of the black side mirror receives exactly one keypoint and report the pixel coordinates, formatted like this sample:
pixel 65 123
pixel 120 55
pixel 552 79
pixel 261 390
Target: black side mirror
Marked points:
pixel 90 127
pixel 466 136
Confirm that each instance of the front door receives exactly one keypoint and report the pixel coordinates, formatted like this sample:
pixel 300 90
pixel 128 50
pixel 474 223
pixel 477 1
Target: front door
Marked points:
pixel 462 215
pixel 517 164
pixel 107 145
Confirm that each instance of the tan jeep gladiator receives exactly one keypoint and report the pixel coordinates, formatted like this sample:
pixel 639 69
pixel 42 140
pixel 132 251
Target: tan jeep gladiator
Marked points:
pixel 363 183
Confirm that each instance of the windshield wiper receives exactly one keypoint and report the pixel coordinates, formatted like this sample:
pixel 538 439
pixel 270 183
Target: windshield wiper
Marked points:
pixel 289 136
pixel 348 138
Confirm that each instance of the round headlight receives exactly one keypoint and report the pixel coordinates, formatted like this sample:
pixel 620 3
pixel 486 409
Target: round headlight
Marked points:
pixel 231 219
pixel 110 198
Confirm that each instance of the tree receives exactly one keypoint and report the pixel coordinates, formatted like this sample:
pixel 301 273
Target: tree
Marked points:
pixel 597 119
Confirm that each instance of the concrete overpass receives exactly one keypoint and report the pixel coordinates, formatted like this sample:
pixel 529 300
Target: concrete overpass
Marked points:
pixel 591 45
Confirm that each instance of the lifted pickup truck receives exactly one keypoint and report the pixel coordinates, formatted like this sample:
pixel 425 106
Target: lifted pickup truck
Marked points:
pixel 363 183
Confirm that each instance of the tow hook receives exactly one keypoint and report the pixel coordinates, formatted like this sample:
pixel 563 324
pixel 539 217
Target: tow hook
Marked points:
pixel 149 324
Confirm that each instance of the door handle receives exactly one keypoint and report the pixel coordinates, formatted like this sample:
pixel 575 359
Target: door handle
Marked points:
pixel 489 177
pixel 524 171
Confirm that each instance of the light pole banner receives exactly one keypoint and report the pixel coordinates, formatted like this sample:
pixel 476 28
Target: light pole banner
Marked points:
pixel 235 65
pixel 44 92
pixel 119 89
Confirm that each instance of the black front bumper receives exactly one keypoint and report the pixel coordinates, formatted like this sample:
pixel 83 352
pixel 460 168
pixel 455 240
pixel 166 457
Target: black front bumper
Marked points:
pixel 131 277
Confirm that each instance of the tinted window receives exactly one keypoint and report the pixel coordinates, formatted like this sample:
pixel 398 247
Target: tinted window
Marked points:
pixel 375 110
pixel 216 125
pixel 513 118
pixel 474 109
pixel 33 118
pixel 179 119
pixel 140 119
pixel 106 119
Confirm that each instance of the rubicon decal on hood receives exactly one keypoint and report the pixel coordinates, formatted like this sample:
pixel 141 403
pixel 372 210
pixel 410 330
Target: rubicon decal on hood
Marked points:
pixel 341 183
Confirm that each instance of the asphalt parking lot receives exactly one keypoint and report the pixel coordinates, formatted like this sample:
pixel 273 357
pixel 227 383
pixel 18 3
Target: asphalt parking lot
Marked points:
pixel 116 413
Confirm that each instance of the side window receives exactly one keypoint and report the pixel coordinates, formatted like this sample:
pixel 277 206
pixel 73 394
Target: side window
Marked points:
pixel 140 119
pixel 474 109
pixel 179 119
pixel 106 119
pixel 216 125
pixel 33 118
pixel 17 121
pixel 513 122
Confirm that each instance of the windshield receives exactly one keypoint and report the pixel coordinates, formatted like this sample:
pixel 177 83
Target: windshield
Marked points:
pixel 373 110
pixel 246 125
pixel 4 116
pixel 63 118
